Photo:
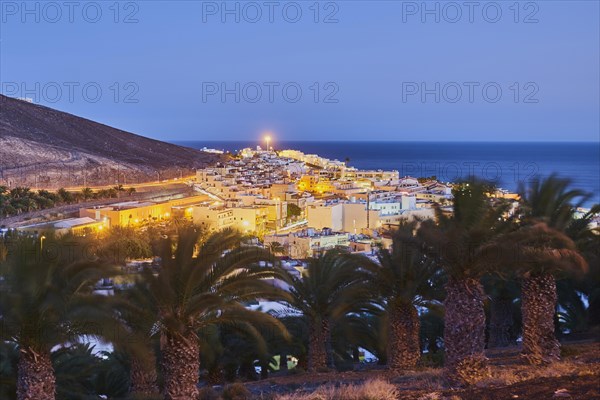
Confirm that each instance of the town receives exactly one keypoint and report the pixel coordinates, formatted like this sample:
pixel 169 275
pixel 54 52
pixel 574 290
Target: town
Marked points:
pixel 303 202
pixel 311 242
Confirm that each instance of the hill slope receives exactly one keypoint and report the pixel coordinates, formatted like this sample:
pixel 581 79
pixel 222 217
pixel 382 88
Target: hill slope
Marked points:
pixel 43 147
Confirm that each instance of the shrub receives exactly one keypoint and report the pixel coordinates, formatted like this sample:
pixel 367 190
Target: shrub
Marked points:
pixel 236 391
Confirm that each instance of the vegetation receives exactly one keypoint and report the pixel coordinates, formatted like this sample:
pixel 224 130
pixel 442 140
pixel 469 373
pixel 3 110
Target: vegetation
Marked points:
pixel 424 302
pixel 21 199
pixel 405 279
pixel 539 250
pixel 48 300
pixel 293 211
pixel 373 389
pixel 199 287
pixel 454 242
pixel 332 287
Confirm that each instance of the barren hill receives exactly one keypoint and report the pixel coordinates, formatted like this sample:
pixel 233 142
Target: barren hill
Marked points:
pixel 45 148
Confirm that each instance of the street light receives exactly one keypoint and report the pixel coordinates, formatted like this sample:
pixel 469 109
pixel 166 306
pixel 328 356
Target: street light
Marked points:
pixel 42 242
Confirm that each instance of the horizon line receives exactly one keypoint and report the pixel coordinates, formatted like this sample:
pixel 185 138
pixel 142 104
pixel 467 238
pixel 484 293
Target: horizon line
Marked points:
pixel 383 141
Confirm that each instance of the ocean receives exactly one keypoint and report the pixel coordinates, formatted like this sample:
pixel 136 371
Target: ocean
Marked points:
pixel 506 164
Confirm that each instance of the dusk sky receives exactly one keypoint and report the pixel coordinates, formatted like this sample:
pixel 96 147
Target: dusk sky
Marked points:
pixel 361 67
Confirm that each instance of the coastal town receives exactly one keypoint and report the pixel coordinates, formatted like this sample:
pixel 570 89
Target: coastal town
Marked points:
pixel 300 204
pixel 320 200
pixel 303 204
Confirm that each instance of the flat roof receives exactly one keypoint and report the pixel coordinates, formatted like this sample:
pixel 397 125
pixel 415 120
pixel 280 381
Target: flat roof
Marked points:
pixel 62 223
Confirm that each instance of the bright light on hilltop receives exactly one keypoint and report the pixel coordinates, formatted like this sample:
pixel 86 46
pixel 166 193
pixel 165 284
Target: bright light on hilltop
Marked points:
pixel 268 140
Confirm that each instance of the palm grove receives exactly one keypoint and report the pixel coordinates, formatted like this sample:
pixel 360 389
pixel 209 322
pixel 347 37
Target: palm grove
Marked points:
pixel 445 289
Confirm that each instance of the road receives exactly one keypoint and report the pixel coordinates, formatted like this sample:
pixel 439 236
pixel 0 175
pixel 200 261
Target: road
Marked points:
pixel 140 186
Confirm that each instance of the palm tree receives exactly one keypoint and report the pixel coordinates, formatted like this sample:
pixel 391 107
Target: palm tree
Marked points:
pixel 198 286
pixel 587 240
pixel 550 201
pixel 87 193
pixel 277 248
pixel 297 326
pixel 75 367
pixel 355 331
pixel 118 189
pixel 454 243
pixel 547 208
pixel 119 244
pixel 65 196
pixel 406 280
pixel 48 300
pixel 332 287
pixel 235 346
pixel 9 357
pixel 140 315
pixel 538 252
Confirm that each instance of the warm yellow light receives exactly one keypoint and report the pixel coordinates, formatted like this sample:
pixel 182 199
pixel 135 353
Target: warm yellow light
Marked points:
pixel 268 140
pixel 167 215
pixel 137 221
pixel 100 227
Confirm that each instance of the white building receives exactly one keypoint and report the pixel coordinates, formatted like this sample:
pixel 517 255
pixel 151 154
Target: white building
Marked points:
pixel 309 242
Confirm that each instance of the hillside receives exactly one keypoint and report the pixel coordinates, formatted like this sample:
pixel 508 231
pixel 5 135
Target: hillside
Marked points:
pixel 45 148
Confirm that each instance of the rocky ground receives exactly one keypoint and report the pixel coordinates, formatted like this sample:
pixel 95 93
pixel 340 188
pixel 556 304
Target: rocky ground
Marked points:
pixel 577 376
pixel 46 148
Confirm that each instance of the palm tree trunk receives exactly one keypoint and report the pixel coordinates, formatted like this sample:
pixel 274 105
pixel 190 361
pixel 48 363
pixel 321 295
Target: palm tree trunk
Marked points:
pixel 329 346
pixel 464 331
pixel 143 378
pixel 501 322
pixel 404 349
pixel 538 307
pixel 318 336
pixel 180 363
pixel 35 379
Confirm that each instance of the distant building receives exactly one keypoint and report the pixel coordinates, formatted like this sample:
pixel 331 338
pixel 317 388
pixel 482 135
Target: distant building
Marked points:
pixel 131 213
pixel 325 215
pixel 251 219
pixel 75 226
pixel 309 242
pixel 212 217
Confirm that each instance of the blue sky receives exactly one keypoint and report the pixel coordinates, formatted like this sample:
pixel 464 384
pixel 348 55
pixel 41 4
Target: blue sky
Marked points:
pixel 367 70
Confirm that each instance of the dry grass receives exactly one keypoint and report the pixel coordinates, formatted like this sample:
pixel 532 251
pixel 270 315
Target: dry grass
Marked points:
pixel 374 389
pixel 519 373
pixel 575 373
pixel 425 379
